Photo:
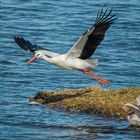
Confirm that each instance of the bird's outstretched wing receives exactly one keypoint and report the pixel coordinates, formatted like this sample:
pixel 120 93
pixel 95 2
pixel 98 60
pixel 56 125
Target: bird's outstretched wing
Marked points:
pixel 89 41
pixel 28 46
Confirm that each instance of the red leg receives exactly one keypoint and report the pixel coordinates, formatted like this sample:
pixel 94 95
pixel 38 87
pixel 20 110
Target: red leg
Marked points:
pixel 95 77
pixel 100 79
pixel 89 74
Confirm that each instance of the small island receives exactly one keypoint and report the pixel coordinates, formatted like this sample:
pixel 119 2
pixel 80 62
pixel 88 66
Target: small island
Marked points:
pixel 92 100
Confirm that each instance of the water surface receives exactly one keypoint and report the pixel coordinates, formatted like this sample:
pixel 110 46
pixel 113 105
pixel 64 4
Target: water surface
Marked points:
pixel 56 25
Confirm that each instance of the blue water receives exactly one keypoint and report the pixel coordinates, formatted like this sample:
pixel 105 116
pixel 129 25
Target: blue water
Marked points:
pixel 56 25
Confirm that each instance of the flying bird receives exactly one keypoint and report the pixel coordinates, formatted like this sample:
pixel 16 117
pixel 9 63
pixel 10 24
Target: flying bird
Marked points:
pixel 78 58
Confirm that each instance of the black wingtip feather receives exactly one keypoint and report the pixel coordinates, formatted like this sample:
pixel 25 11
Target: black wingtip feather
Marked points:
pixel 110 19
pixel 105 17
pixel 26 45
pixel 21 42
pixel 100 13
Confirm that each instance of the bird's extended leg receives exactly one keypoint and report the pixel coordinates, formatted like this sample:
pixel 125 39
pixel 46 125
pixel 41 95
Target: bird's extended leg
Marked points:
pixel 95 76
pixel 99 78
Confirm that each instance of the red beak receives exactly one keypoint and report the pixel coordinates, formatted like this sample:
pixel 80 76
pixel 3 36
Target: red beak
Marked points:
pixel 32 59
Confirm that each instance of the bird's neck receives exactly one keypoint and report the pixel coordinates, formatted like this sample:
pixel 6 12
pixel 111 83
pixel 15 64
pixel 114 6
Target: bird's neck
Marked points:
pixel 46 58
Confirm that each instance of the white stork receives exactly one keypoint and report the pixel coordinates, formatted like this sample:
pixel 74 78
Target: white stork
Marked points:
pixel 78 57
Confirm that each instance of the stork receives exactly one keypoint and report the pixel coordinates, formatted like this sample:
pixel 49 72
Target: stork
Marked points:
pixel 78 57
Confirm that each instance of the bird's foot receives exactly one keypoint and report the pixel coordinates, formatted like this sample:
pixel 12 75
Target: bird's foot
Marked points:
pixel 103 81
pixel 97 78
pixel 100 79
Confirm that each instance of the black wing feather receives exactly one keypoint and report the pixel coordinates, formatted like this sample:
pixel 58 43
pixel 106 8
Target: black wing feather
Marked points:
pixel 26 45
pixel 102 23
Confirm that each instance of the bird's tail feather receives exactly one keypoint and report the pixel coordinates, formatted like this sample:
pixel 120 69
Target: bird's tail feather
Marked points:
pixel 93 62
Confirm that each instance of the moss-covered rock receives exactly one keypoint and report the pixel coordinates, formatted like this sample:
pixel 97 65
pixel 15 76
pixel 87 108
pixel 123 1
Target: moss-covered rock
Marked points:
pixel 93 100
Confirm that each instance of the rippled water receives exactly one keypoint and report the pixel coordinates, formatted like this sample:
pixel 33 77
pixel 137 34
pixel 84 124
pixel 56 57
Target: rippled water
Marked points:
pixel 56 25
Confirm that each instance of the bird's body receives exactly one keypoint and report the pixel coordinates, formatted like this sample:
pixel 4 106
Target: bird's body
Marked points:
pixel 69 63
pixel 78 57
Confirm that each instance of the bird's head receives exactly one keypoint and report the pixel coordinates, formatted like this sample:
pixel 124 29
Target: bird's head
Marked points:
pixel 37 55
